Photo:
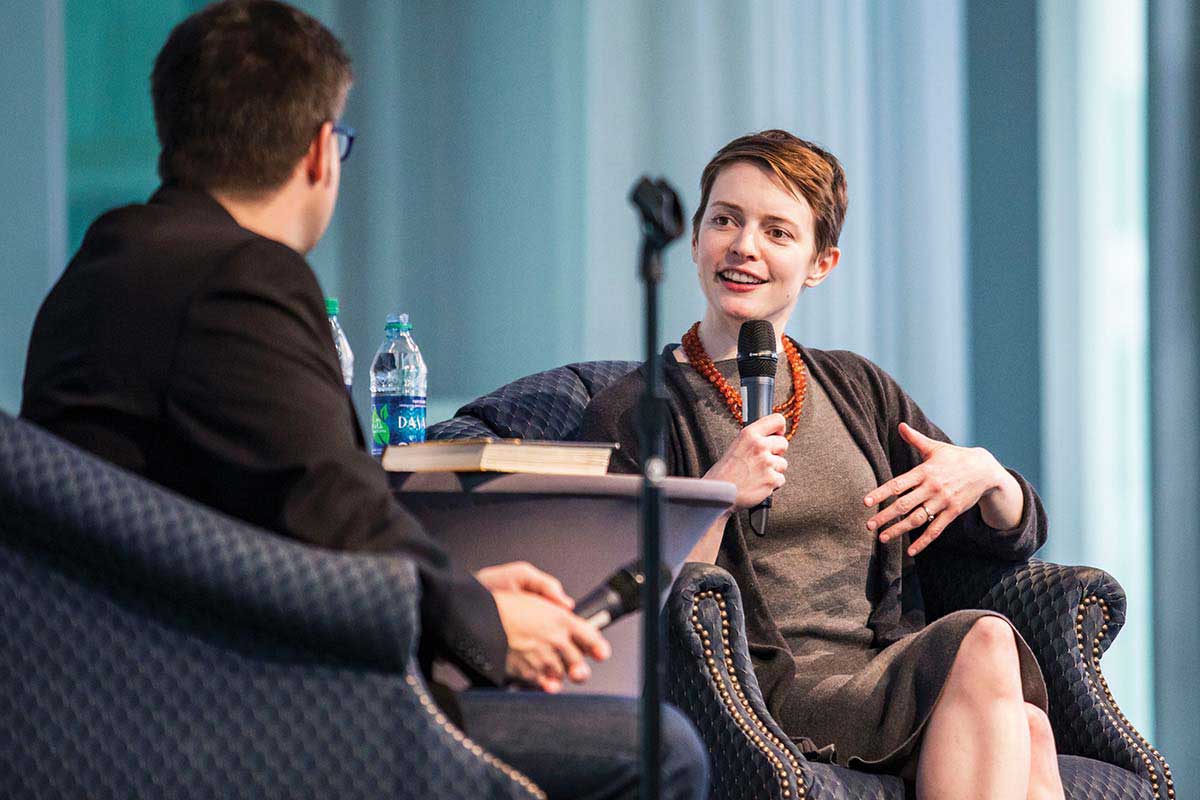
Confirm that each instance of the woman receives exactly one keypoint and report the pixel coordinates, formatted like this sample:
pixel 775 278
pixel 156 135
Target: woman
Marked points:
pixel 833 607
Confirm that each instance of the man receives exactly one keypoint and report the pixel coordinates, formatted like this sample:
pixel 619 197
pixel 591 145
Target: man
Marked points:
pixel 187 341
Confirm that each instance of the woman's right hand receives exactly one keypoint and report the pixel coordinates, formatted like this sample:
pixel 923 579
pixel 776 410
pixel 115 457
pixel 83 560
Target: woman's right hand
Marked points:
pixel 754 463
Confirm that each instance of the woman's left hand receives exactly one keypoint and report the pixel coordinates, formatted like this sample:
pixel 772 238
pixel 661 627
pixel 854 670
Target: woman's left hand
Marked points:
pixel 950 480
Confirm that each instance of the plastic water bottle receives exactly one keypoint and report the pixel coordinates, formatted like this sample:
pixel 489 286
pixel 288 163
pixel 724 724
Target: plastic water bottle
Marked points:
pixel 341 343
pixel 398 381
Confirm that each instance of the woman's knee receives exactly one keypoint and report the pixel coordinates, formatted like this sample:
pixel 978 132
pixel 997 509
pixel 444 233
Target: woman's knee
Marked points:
pixel 1041 735
pixel 992 634
pixel 991 641
pixel 987 665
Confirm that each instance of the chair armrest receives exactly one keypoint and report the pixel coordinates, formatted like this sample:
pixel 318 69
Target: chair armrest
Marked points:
pixel 546 405
pixel 463 426
pixel 709 676
pixel 1068 615
pixel 59 498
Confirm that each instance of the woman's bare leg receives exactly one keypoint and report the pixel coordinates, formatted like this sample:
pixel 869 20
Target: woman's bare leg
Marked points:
pixel 1044 781
pixel 977 742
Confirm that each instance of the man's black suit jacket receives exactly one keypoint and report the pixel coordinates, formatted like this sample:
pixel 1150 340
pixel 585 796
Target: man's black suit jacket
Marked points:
pixel 192 351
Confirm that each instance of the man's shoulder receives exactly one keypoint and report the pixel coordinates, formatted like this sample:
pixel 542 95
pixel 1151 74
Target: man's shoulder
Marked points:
pixel 177 219
pixel 174 249
pixel 142 268
pixel 169 217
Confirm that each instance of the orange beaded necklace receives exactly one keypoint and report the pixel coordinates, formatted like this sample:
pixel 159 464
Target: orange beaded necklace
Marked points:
pixel 790 408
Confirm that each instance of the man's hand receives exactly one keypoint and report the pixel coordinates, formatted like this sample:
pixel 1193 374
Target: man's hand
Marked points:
pixel 546 641
pixel 754 463
pixel 521 576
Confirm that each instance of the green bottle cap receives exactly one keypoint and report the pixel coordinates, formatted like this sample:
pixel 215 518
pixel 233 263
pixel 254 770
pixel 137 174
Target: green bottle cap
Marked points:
pixel 331 306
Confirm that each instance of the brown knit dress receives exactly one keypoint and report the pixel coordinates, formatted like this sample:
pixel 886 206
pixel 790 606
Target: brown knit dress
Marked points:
pixel 862 705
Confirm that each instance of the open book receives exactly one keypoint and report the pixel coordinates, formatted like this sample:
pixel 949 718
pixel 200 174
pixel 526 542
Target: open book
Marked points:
pixel 500 455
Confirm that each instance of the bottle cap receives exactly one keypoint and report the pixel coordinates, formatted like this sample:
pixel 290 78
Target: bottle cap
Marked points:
pixel 331 306
pixel 398 322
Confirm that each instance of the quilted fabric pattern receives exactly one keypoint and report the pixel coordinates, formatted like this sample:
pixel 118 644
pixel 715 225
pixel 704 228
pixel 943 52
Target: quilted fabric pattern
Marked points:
pixel 1085 779
pixel 152 648
pixel 60 498
pixel 1069 616
pixel 831 782
pixel 546 405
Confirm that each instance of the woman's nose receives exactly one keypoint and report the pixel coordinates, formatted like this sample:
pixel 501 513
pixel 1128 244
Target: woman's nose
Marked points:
pixel 745 244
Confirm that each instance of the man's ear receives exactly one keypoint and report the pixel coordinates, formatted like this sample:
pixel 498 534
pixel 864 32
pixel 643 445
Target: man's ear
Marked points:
pixel 823 266
pixel 316 160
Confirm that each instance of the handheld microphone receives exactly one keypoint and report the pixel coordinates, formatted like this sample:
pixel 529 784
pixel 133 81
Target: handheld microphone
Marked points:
pixel 620 594
pixel 756 362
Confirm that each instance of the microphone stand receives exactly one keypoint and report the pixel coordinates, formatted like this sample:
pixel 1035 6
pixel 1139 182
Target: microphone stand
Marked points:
pixel 662 223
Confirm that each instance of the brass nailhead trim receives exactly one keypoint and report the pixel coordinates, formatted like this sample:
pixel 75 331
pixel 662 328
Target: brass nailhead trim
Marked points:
pixel 474 749
pixel 758 734
pixel 1141 742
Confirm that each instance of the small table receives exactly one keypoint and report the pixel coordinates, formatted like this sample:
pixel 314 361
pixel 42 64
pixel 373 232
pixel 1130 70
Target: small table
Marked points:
pixel 579 529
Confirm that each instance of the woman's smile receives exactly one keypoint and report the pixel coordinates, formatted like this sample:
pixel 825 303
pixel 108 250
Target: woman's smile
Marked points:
pixel 736 280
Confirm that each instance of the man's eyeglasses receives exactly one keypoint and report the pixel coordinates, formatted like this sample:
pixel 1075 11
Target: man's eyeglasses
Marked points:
pixel 345 140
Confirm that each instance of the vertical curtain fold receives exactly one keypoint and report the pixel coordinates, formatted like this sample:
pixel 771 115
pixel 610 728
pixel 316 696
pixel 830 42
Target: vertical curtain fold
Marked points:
pixel 1174 219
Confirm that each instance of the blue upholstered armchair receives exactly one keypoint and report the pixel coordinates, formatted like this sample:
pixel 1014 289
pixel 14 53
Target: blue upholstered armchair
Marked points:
pixel 1068 615
pixel 150 647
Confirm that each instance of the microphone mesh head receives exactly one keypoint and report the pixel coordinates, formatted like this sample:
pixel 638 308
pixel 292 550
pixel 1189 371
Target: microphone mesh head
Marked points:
pixel 628 586
pixel 627 583
pixel 756 336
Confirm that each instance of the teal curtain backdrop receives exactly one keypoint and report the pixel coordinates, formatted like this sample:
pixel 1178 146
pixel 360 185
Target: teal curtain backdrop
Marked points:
pixel 112 150
pixel 1174 216
pixel 33 225
pixel 512 139
pixel 498 141
pixel 1095 416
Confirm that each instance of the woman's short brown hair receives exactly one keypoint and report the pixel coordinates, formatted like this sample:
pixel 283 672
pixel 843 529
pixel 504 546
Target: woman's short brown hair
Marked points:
pixel 806 170
pixel 240 89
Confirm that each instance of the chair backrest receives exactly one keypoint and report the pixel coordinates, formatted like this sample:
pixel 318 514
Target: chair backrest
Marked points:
pixel 150 647
pixel 545 405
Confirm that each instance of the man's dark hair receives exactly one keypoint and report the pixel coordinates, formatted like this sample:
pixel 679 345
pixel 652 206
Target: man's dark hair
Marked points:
pixel 240 89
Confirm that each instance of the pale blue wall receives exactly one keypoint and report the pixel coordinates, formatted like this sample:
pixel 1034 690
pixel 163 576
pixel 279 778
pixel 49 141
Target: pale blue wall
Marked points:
pixel 33 223
pixel 498 142
pixel 462 201
pixel 1006 269
pixel 112 149
pixel 1093 323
